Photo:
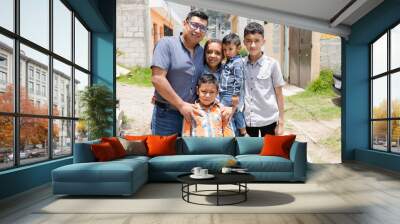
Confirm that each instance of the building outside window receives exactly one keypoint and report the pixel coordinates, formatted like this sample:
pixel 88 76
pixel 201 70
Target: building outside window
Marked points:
pixel 3 72
pixel 34 80
pixel 385 92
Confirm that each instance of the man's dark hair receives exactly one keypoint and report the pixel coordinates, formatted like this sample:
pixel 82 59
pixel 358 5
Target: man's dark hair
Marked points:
pixel 197 13
pixel 231 38
pixel 254 28
pixel 207 79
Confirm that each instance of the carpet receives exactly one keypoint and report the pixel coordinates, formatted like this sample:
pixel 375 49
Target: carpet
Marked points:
pixel 166 198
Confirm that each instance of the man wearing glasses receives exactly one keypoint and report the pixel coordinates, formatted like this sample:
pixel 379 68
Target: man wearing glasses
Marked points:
pixel 177 64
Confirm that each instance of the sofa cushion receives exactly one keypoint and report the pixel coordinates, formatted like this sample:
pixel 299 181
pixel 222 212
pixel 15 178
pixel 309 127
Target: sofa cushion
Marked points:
pixel 257 163
pixel 83 152
pixel 116 145
pixel 161 145
pixel 103 152
pixel 136 137
pixel 205 145
pixel 249 145
pixel 134 147
pixel 97 172
pixel 185 163
pixel 277 145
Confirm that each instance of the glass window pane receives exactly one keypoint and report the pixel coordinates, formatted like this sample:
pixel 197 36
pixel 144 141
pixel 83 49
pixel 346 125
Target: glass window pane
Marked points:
pixel 33 139
pixel 34 80
pixel 81 81
pixel 395 136
pixel 395 94
pixel 395 47
pixel 6 142
pixel 62 138
pixel 6 74
pixel 379 55
pixel 7 14
pixel 62 29
pixel 81 45
pixel 379 98
pixel 81 131
pixel 379 135
pixel 35 21
pixel 62 89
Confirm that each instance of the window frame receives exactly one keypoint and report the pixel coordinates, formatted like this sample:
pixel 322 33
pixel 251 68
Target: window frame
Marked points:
pixel 16 114
pixel 388 74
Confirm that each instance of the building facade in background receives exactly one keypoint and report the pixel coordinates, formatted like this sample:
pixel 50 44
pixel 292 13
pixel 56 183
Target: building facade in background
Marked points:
pixel 140 24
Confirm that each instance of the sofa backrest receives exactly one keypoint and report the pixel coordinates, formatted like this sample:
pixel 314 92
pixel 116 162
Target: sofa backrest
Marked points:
pixel 249 145
pixel 83 153
pixel 205 145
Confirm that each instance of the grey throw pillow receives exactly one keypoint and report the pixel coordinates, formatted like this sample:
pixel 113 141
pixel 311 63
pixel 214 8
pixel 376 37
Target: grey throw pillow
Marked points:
pixel 134 147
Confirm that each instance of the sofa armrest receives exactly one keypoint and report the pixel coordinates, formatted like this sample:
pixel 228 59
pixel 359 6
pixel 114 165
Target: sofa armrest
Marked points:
pixel 298 155
pixel 83 152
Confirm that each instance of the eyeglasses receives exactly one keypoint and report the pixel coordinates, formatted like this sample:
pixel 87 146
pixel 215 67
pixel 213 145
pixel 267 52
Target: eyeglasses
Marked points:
pixel 199 26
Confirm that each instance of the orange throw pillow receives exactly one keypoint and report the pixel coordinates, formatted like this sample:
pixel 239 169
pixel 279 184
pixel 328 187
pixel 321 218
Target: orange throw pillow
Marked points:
pixel 103 152
pixel 116 145
pixel 135 138
pixel 161 145
pixel 275 145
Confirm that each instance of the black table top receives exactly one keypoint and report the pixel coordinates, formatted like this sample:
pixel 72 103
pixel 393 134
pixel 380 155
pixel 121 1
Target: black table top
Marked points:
pixel 220 178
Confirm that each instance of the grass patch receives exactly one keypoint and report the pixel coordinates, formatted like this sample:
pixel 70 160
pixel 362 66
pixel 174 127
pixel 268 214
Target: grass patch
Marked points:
pixel 138 76
pixel 333 142
pixel 315 103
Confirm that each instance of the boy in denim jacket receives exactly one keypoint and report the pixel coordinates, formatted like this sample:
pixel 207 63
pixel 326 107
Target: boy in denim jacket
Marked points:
pixel 231 82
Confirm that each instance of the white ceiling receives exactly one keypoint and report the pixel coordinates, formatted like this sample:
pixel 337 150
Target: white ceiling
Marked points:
pixel 315 15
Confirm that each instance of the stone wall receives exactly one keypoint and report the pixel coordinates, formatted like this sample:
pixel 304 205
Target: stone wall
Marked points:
pixel 331 54
pixel 133 32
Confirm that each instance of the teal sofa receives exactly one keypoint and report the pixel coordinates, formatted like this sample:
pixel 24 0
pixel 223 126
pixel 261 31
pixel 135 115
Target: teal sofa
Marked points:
pixel 125 176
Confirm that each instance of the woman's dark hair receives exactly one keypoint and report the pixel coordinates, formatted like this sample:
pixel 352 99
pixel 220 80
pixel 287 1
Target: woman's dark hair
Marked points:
pixel 254 28
pixel 231 38
pixel 210 41
pixel 207 79
pixel 197 13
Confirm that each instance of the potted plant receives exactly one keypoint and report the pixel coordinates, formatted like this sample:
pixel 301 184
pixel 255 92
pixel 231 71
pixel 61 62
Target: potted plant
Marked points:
pixel 97 103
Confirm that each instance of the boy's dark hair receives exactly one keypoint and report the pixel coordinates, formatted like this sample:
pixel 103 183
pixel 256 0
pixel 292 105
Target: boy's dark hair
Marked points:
pixel 231 38
pixel 197 13
pixel 207 79
pixel 254 28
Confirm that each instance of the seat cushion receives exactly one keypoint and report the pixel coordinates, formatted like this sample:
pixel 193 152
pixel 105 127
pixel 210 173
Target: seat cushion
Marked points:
pixel 185 163
pixel 249 145
pixel 112 171
pixel 205 145
pixel 257 163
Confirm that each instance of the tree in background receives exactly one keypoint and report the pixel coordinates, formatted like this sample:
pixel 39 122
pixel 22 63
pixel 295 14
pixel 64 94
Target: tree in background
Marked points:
pixel 380 127
pixel 97 103
pixel 33 130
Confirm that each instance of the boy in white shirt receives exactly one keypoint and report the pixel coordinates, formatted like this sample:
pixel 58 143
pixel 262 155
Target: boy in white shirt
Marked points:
pixel 264 102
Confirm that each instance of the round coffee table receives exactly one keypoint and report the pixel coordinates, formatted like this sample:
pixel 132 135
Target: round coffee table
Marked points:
pixel 238 179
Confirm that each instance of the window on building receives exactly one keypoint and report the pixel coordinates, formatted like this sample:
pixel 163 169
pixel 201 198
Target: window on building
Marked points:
pixel 43 90
pixel 30 87
pixel 37 74
pixel 3 78
pixel 385 94
pixel 55 131
pixel 30 73
pixel 37 89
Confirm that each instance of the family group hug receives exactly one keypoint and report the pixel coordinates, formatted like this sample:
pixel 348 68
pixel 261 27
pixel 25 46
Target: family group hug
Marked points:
pixel 213 91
